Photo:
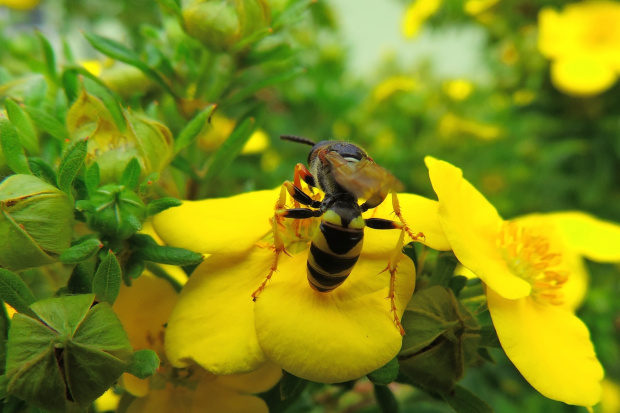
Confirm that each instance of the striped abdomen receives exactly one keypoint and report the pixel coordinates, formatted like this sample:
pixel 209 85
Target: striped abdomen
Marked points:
pixel 334 252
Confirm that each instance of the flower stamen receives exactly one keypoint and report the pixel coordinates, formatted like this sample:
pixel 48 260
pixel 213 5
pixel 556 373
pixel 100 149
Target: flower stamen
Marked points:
pixel 528 254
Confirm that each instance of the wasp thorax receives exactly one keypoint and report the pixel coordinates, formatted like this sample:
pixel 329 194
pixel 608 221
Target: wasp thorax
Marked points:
pixel 529 255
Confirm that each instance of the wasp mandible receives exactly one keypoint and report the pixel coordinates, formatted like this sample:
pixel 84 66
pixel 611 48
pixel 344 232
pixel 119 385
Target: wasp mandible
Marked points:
pixel 345 173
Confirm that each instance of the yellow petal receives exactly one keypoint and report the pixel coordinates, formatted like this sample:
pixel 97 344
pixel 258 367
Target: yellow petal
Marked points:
pixel 221 225
pixel 213 322
pixel 337 336
pixel 582 76
pixel 210 397
pixel 167 400
pixel 420 214
pixel 135 386
pixel 471 225
pixel 257 381
pixel 589 236
pixel 144 309
pixel 550 346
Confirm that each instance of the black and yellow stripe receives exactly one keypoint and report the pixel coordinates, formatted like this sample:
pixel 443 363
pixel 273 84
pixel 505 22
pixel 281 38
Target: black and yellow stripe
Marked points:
pixel 335 249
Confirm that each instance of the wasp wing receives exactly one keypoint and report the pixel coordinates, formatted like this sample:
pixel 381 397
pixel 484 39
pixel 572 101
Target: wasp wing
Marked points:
pixel 364 179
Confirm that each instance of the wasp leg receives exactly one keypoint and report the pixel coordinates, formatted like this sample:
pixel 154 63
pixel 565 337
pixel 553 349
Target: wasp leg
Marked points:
pixel 396 207
pixel 278 244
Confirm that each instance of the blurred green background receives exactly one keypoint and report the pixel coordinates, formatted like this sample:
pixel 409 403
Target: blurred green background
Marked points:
pixel 471 86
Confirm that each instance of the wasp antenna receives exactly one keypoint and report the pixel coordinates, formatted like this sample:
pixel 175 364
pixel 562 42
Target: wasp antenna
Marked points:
pixel 298 139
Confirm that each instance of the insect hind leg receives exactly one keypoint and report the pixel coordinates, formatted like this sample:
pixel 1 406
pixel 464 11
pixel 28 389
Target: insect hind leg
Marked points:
pixel 392 266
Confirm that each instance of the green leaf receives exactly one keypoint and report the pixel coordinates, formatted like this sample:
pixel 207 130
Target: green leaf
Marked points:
pixel 107 279
pixel 81 280
pixel 133 269
pixel 444 270
pixel 47 123
pixel 15 292
pixel 118 51
pixel 50 60
pixel 92 178
pixel 172 6
pixel 159 205
pixel 254 87
pixel 81 251
pixel 144 364
pixel 229 149
pixel 4 382
pixel 191 131
pixel 464 401
pixel 169 255
pixel 70 164
pixel 70 84
pixel 385 399
pixel 291 386
pixel 12 147
pixel 41 169
pixel 489 337
pixel 457 283
pixel 386 374
pixel 131 174
pixel 24 126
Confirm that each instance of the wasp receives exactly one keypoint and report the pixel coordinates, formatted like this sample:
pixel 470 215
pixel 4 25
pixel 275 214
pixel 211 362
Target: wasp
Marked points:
pixel 345 174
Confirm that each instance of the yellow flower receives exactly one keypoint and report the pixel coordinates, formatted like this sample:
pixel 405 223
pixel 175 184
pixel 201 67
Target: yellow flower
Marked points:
pixel 583 42
pixel 416 14
pixel 20 4
pixel 390 86
pixel 324 337
pixel 458 89
pixel 524 272
pixel 144 310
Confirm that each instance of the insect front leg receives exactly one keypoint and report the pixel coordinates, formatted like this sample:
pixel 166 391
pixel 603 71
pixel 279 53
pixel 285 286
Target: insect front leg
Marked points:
pixel 392 266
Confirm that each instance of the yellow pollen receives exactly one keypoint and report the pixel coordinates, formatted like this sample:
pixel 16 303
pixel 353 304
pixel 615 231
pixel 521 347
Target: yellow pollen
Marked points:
pixel 527 254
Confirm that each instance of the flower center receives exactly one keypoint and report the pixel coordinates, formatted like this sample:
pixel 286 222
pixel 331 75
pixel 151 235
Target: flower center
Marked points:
pixel 527 253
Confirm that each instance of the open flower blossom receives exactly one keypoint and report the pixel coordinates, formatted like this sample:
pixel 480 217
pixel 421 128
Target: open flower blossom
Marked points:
pixel 583 42
pixel 522 265
pixel 324 337
pixel 144 309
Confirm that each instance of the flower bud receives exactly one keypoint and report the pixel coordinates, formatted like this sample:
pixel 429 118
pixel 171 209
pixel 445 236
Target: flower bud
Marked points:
pixel 68 356
pixel 219 25
pixel 117 212
pixel 35 224
pixel 146 140
pixel 442 339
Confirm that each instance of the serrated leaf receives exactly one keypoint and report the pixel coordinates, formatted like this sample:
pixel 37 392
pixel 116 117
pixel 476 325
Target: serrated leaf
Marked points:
pixel 15 292
pixel 229 149
pixel 131 174
pixel 169 255
pixel 92 178
pixel 386 374
pixel 145 363
pixel 50 59
pixel 41 169
pixel 71 163
pixel 80 252
pixel 22 122
pixel 291 386
pixel 12 147
pixel 192 129
pixel 159 205
pixel 118 51
pixel 107 279
pixel 385 399
pixel 464 401
pixel 47 123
